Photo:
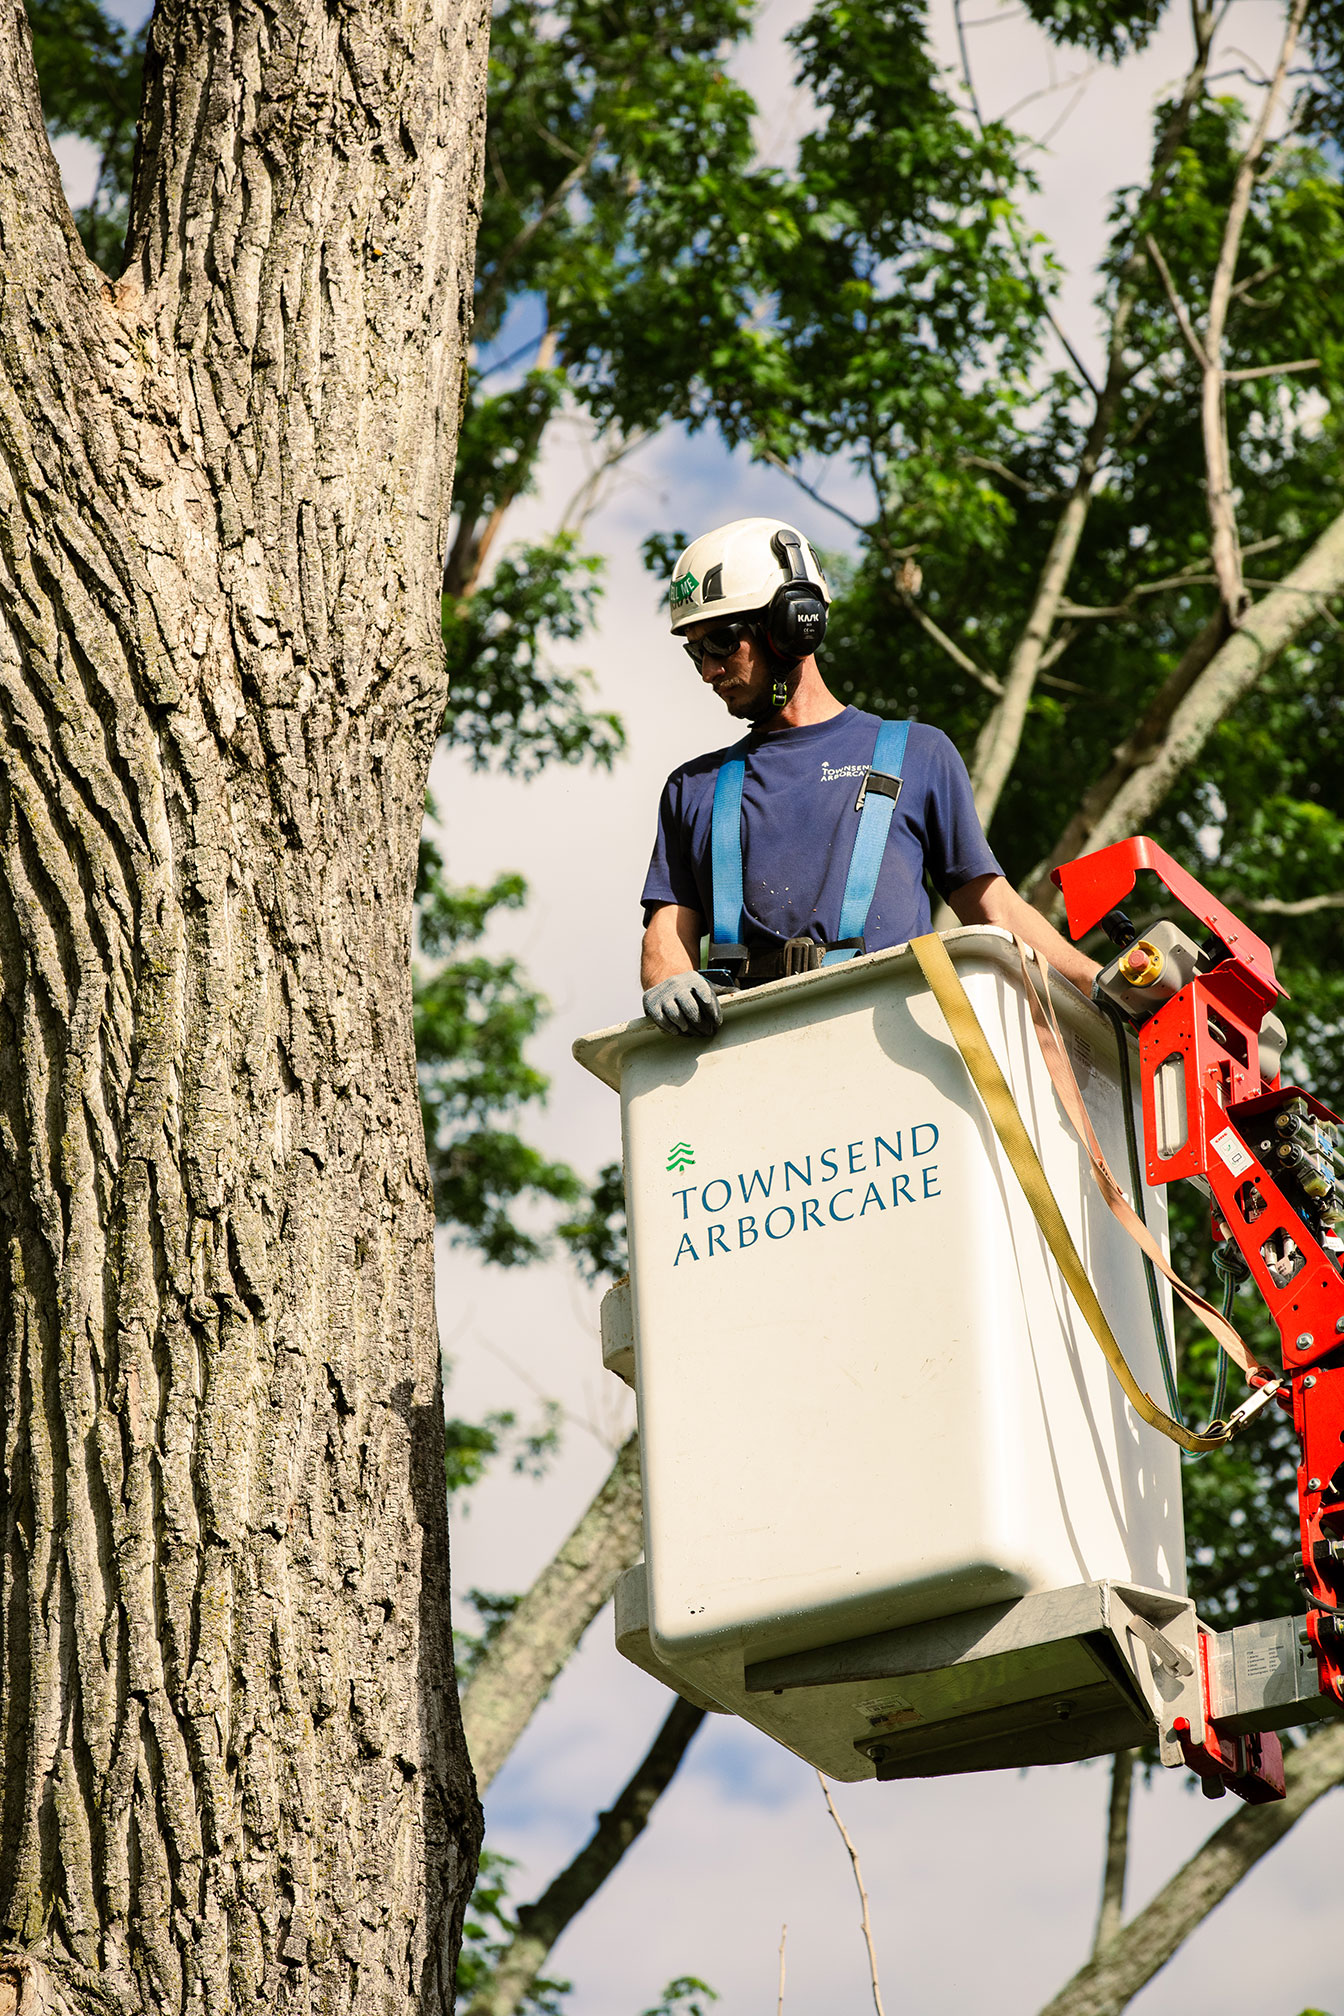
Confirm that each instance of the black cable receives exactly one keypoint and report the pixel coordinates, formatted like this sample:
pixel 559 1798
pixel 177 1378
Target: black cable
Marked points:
pixel 1231 1275
pixel 1121 1026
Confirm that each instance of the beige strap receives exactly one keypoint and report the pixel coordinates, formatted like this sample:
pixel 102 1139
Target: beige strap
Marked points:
pixel 1071 1099
pixel 989 1081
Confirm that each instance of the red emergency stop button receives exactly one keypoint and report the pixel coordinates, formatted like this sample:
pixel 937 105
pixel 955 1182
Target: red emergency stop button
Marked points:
pixel 1141 964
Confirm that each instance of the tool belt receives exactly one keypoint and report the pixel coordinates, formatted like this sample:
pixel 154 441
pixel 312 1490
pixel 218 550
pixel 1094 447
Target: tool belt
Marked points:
pixel 752 966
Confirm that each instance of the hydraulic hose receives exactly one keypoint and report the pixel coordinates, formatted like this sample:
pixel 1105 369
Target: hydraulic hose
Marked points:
pixel 1232 1268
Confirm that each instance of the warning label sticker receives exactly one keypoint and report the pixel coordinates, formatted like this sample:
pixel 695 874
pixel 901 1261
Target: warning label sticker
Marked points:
pixel 1263 1661
pixel 1231 1153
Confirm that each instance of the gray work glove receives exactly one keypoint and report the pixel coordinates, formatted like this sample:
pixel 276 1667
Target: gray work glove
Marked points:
pixel 684 1005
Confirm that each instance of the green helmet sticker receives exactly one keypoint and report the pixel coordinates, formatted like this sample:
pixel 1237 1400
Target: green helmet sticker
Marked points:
pixel 683 588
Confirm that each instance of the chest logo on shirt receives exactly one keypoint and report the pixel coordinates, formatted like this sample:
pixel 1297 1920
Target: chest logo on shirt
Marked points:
pixel 830 771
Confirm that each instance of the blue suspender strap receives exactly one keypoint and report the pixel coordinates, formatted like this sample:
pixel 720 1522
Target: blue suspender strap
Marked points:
pixel 726 852
pixel 878 793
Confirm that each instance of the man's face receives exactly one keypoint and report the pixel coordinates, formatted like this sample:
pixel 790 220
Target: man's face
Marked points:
pixel 743 679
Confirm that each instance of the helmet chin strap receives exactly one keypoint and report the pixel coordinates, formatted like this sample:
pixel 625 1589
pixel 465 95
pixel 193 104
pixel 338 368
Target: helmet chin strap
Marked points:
pixel 782 686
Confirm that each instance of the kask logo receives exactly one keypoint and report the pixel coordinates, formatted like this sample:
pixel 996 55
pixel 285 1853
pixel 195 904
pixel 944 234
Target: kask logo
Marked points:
pixel 681 1156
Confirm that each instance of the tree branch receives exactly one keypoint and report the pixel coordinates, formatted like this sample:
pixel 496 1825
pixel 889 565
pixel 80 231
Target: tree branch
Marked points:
pixel 494 281
pixel 1216 670
pixel 42 249
pixel 1135 750
pixel 946 644
pixel 1112 1978
pixel 473 540
pixel 516 1671
pixel 1178 307
pixel 1217 452
pixel 541 1924
pixel 1270 370
pixel 589 493
pixel 1303 906
pixel 1084 374
pixel 1187 577
pixel 1110 1916
pixel 765 454
pixel 865 1921
pixel 1001 735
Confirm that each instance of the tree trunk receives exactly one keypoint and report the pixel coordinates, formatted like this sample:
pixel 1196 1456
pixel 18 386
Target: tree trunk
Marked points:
pixel 1110 1915
pixel 233 1773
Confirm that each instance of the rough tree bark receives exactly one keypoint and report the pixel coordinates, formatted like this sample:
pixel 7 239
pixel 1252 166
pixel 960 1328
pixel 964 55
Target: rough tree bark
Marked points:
pixel 233 1774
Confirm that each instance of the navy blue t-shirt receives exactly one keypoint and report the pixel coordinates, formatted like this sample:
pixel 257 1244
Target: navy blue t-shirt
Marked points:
pixel 798 827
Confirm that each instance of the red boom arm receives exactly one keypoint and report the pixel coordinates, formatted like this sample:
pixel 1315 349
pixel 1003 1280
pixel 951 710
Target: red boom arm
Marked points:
pixel 1263 1150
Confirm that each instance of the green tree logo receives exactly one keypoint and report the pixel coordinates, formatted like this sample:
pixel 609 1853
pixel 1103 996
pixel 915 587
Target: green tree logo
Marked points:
pixel 681 1157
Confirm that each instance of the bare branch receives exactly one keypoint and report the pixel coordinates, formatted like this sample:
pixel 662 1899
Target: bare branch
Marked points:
pixel 473 540
pixel 779 2004
pixel 1054 652
pixel 1001 469
pixel 560 195
pixel 1112 1978
pixel 1303 906
pixel 1001 735
pixel 946 644
pixel 515 1672
pixel 1216 670
pixel 1243 288
pixel 541 1924
pixel 1056 126
pixel 1193 576
pixel 1135 750
pixel 891 553
pixel 1049 313
pixel 1083 692
pixel 1217 453
pixel 588 496
pixel 863 1894
pixel 1179 309
pixel 1270 370
pixel 765 454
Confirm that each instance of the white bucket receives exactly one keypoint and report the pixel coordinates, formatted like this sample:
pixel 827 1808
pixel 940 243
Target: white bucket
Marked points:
pixel 866 1398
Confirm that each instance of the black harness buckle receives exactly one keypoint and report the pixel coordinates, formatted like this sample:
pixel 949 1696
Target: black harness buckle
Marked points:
pixel 881 782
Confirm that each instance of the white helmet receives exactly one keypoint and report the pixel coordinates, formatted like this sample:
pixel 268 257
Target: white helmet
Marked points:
pixel 753 566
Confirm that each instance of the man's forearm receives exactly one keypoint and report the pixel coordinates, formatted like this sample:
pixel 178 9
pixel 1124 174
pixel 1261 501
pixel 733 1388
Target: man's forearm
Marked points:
pixel 671 944
pixel 993 900
pixel 1042 936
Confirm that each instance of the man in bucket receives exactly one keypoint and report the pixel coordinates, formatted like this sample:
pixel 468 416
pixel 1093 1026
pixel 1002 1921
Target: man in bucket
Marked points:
pixel 808 841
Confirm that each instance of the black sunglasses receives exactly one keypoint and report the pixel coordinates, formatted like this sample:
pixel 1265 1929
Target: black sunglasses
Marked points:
pixel 720 643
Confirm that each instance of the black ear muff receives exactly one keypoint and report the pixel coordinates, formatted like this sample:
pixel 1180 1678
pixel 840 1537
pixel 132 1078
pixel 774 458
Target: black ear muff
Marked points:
pixel 795 621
